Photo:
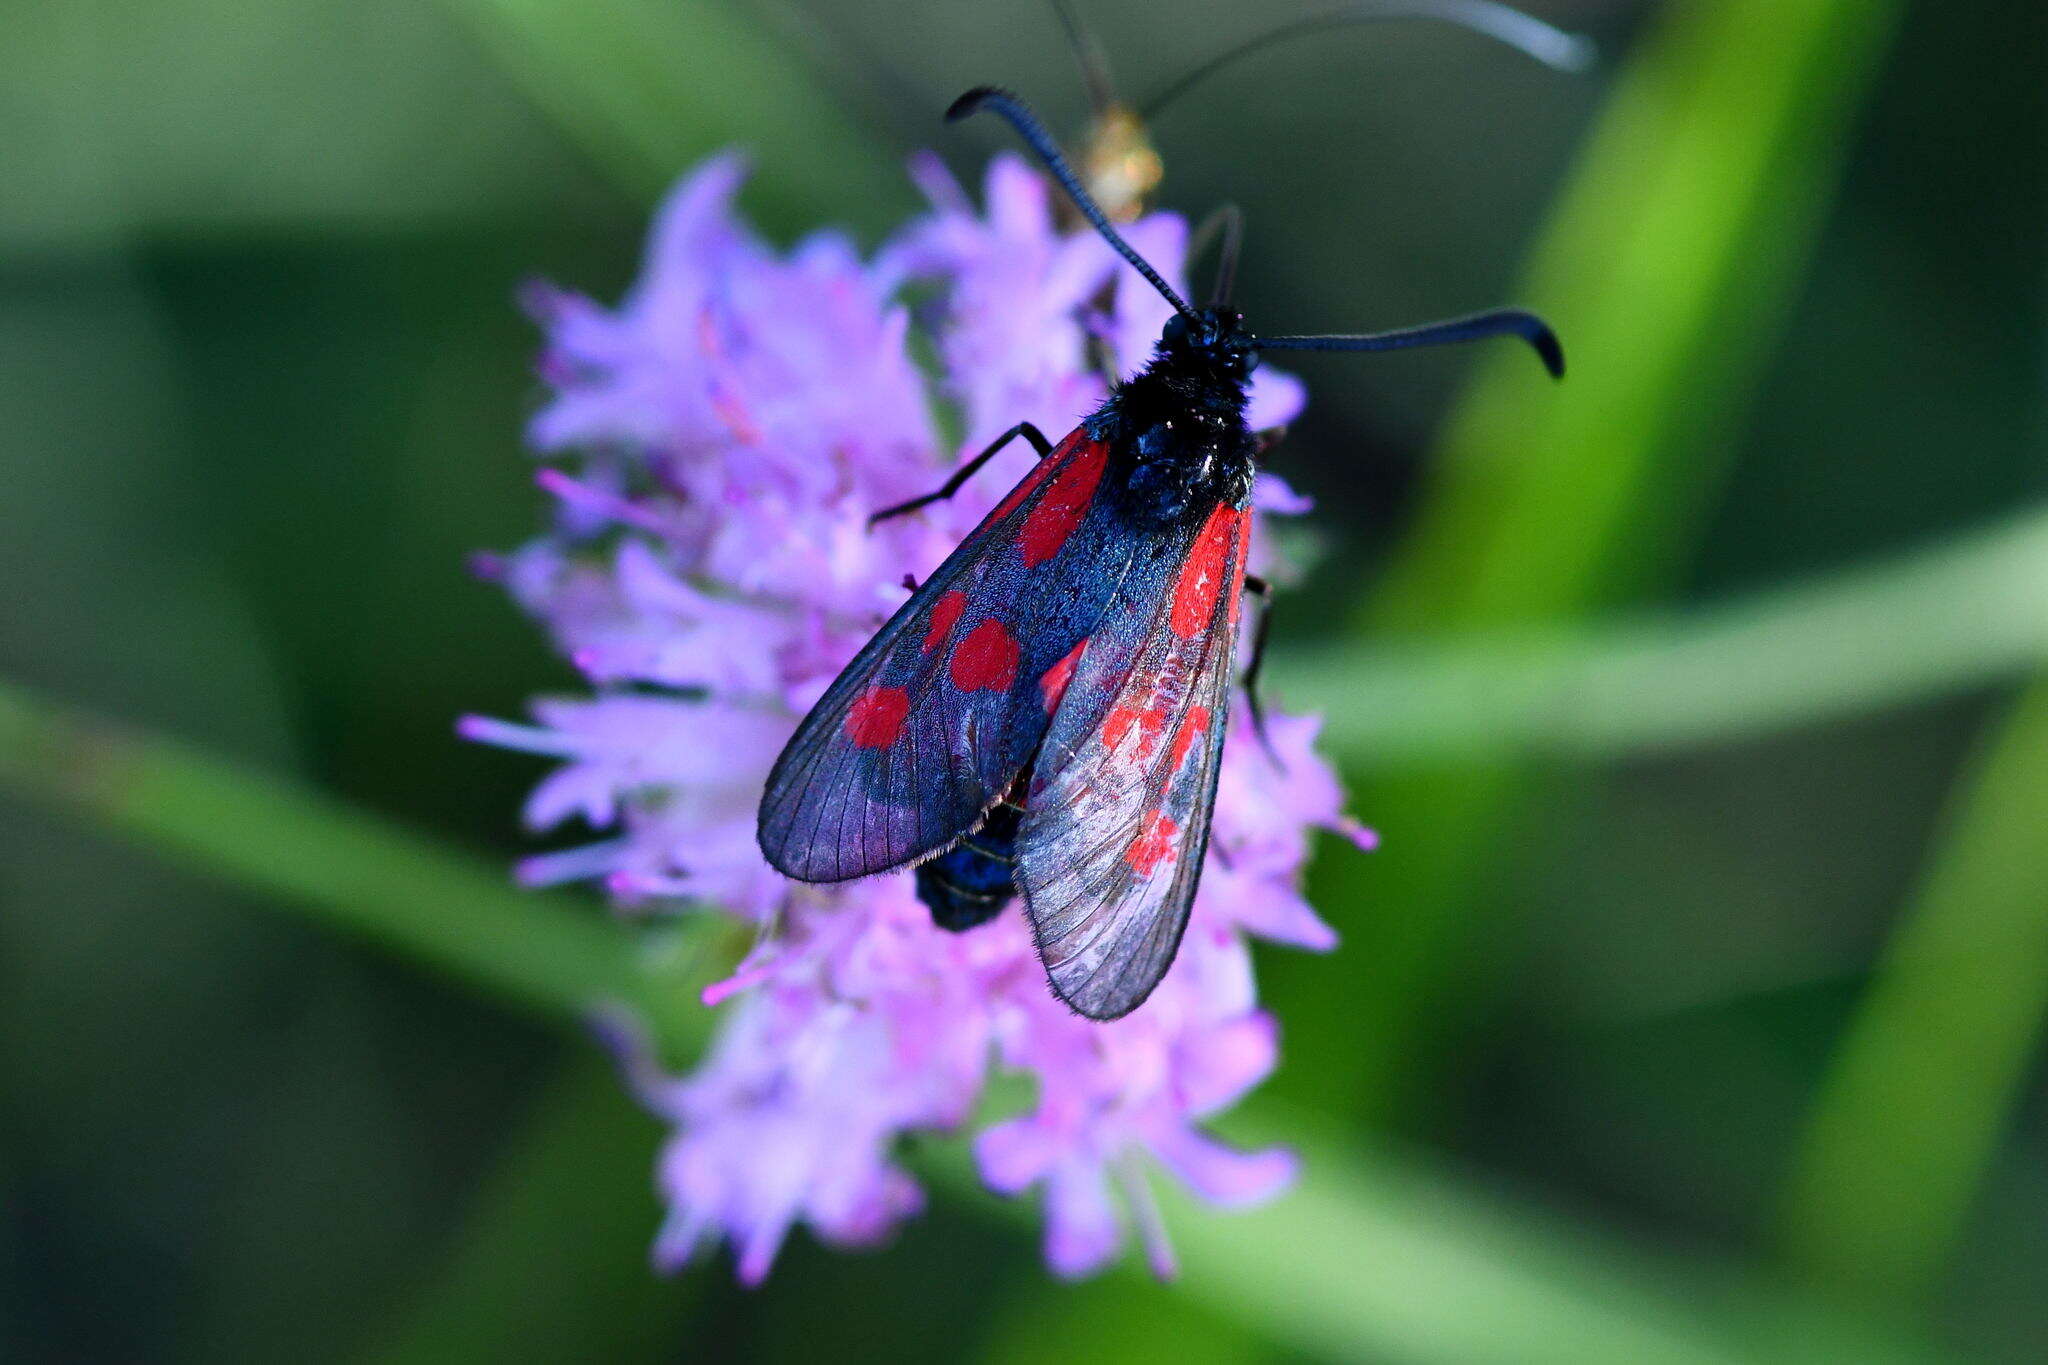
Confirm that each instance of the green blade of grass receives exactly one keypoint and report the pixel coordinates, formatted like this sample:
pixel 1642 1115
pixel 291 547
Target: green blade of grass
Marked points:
pixel 1666 269
pixel 350 870
pixel 1933 621
pixel 551 1262
pixel 1924 1084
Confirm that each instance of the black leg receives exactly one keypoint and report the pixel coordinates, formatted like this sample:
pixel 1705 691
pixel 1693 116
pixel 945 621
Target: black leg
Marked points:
pixel 966 471
pixel 1262 590
pixel 1103 361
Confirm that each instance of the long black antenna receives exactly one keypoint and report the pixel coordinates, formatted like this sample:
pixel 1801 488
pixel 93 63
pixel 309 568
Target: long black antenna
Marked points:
pixel 1088 53
pixel 1499 322
pixel 1020 117
pixel 1551 46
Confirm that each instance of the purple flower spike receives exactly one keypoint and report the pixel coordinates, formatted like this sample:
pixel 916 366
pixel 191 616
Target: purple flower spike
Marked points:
pixel 721 437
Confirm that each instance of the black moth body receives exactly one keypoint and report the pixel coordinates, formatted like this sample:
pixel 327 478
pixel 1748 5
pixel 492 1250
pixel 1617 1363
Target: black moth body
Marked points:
pixel 1177 444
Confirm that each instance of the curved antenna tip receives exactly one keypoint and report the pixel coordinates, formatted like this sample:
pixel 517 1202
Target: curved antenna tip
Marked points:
pixel 1572 53
pixel 971 101
pixel 1517 322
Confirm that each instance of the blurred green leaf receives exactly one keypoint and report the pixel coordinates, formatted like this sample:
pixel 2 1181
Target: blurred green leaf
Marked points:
pixel 1813 651
pixel 552 1263
pixel 1922 1088
pixel 1378 1256
pixel 382 114
pixel 240 115
pixel 650 86
pixel 1111 1321
pixel 1665 269
pixel 350 869
pixel 1386 1259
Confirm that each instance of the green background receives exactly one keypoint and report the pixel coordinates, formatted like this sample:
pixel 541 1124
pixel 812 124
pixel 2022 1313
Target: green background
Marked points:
pixel 1691 1011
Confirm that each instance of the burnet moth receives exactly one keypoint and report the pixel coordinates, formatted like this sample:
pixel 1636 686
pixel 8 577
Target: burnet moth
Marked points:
pixel 1046 713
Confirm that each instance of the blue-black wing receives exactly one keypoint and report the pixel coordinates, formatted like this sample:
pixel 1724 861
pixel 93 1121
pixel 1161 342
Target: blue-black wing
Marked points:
pixel 926 729
pixel 1116 822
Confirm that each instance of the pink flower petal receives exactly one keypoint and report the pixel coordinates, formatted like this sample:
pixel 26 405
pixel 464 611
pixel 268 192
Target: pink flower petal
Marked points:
pixel 1082 1230
pixel 1223 1175
pixel 1014 1156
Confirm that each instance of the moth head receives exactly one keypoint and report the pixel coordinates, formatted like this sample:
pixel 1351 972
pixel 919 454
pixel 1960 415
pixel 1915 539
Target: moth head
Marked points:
pixel 1213 339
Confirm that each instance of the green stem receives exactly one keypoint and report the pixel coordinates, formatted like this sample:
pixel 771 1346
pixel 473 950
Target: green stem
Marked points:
pixel 1924 1083
pixel 348 868
pixel 1934 621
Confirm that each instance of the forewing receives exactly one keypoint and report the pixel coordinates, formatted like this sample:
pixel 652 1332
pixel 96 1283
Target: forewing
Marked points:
pixel 932 720
pixel 1117 819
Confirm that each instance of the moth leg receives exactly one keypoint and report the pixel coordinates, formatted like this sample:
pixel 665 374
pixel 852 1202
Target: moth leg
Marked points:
pixel 966 471
pixel 1261 589
pixel 1225 222
pixel 1102 360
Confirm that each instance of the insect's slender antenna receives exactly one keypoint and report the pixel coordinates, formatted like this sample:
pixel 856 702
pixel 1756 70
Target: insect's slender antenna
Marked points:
pixel 1551 46
pixel 1020 117
pixel 1499 322
pixel 1088 53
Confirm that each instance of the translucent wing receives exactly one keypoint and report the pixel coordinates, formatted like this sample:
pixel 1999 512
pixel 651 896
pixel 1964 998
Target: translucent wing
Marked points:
pixel 1117 819
pixel 932 720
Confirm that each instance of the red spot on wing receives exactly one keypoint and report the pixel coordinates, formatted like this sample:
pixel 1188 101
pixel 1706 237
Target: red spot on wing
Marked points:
pixel 1201 577
pixel 1120 721
pixel 876 717
pixel 1046 529
pixel 944 615
pixel 1191 729
pixel 1053 685
pixel 986 658
pixel 1154 844
pixel 1033 479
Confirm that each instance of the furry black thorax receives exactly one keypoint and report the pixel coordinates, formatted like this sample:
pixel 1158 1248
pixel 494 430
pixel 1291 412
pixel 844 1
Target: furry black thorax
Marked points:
pixel 1176 431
